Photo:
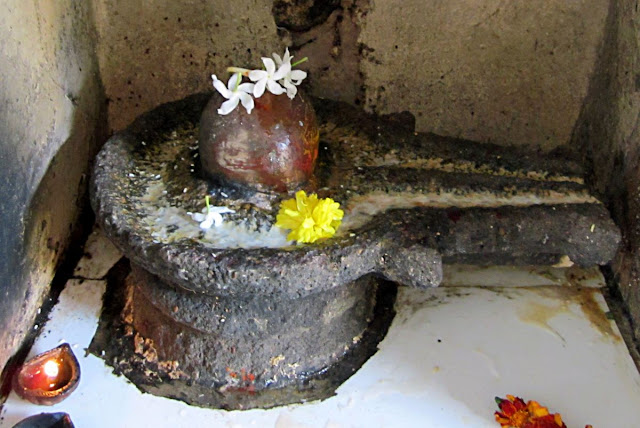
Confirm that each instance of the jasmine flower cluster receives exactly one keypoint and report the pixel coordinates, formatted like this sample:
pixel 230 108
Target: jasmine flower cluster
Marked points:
pixel 278 77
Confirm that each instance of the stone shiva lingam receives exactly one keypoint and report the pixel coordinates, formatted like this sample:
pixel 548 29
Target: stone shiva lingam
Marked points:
pixel 263 228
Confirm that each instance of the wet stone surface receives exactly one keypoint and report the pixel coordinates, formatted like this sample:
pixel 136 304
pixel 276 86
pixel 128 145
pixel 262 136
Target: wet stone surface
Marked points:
pixel 388 179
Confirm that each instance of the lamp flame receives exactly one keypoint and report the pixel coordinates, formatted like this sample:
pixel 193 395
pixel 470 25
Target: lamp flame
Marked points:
pixel 51 368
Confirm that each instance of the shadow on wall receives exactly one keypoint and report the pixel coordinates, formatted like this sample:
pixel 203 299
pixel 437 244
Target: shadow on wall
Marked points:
pixel 328 33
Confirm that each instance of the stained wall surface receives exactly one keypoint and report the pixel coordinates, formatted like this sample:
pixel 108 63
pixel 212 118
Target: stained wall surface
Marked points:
pixel 50 103
pixel 509 72
pixel 158 51
pixel 608 133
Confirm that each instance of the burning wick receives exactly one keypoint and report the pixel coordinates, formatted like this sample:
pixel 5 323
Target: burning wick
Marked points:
pixel 48 378
pixel 51 369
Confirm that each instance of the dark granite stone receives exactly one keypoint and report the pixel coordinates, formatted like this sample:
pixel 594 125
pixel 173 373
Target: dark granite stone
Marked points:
pixel 277 339
pixel 517 206
pixel 224 320
pixel 176 344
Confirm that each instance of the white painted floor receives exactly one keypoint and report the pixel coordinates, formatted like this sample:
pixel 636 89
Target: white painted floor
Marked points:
pixel 448 353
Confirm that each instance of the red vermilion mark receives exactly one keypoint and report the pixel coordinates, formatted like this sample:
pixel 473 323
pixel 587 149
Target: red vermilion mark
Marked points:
pixel 242 382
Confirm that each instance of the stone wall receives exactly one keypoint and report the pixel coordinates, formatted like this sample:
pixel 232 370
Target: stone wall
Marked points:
pixel 509 72
pixel 50 106
pixel 608 132
pixel 157 51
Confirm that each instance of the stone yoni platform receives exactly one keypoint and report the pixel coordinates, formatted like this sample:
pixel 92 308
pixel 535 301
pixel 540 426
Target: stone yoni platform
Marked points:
pixel 211 305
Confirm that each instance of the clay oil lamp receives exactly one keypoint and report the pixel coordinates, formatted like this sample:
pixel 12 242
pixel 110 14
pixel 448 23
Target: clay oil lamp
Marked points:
pixel 46 420
pixel 48 378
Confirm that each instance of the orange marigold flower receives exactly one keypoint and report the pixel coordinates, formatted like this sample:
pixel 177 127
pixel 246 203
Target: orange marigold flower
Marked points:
pixel 514 413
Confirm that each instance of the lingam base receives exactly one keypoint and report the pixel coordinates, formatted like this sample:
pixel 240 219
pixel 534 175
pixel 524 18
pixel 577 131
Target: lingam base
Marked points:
pixel 242 352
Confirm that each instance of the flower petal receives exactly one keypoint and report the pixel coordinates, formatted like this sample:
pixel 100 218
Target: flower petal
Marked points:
pixel 287 56
pixel 306 204
pixel 274 87
pixel 220 87
pixel 246 87
pixel 233 81
pixel 289 204
pixel 258 89
pixel 217 219
pixel 256 75
pixel 301 200
pixel 289 220
pixel 269 65
pixel 292 90
pixel 247 101
pixel 284 69
pixel 297 76
pixel 228 106
pixel 220 210
pixel 277 58
pixel 208 221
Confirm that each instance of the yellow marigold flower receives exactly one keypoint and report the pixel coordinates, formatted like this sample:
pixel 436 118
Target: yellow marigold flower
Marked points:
pixel 309 218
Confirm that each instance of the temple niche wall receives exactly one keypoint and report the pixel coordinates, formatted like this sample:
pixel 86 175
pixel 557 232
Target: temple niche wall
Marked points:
pixel 51 126
pixel 607 132
pixel 509 72
pixel 512 72
pixel 546 74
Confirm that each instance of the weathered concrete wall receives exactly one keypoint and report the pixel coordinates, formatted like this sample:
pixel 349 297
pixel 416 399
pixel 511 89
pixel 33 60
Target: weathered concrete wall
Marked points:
pixel 488 70
pixel 330 41
pixel 49 114
pixel 608 131
pixel 157 51
pixel 509 72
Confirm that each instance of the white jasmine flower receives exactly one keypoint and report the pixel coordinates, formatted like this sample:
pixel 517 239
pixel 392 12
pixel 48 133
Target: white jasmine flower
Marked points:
pixel 285 58
pixel 269 78
pixel 291 80
pixel 234 92
pixel 213 216
pixel 293 77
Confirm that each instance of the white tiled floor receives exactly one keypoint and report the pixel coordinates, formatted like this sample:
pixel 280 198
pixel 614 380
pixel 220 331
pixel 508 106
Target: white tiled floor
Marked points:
pixel 448 352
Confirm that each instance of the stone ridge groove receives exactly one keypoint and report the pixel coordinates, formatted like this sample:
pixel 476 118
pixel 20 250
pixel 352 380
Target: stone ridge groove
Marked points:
pixel 400 221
